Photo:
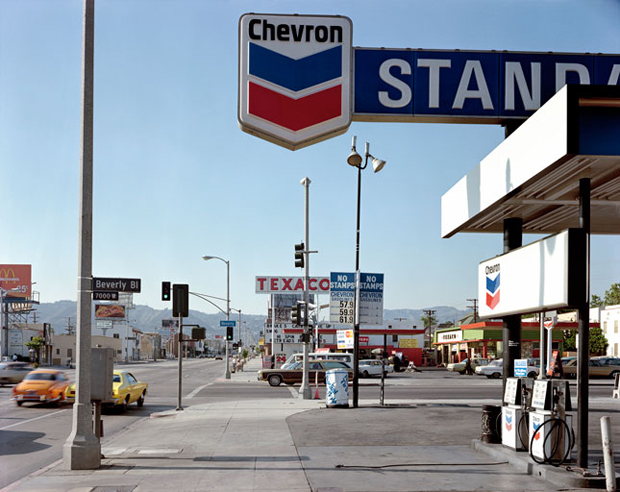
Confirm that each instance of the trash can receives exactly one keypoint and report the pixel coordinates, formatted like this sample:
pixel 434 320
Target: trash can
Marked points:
pixel 337 384
pixel 491 424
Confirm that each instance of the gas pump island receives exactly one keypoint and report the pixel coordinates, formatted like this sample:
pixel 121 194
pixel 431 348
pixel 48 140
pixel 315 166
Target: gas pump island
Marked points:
pixel 557 173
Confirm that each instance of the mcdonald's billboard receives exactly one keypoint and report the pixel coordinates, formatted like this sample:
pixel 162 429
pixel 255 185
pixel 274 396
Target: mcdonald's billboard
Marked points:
pixel 17 280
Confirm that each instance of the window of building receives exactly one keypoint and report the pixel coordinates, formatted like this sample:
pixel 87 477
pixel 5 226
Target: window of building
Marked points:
pixel 119 352
pixel 57 351
pixel 615 326
pixel 394 338
pixel 69 352
pixel 116 335
pixel 615 349
pixel 605 327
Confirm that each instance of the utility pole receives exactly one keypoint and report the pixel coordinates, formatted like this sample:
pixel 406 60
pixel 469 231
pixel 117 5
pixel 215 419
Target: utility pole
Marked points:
pixel 305 390
pixel 429 316
pixel 475 308
pixel 69 325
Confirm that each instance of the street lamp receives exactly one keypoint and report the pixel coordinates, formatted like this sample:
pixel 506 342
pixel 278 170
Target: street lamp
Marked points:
pixel 355 160
pixel 207 258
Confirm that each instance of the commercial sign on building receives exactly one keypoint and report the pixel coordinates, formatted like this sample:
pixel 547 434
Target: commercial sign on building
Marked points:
pixel 16 280
pixel 294 77
pixel 289 285
pixel 109 311
pixel 296 80
pixel 545 275
pixel 344 339
pixel 450 336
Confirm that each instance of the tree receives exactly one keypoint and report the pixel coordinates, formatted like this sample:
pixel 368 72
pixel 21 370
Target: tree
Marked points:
pixel 35 344
pixel 612 296
pixel 596 301
pixel 598 341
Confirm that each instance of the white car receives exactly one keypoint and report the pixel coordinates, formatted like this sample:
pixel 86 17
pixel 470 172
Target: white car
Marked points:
pixel 495 369
pixel 373 367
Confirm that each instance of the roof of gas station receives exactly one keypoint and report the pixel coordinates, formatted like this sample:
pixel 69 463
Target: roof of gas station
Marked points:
pixel 534 173
pixel 363 332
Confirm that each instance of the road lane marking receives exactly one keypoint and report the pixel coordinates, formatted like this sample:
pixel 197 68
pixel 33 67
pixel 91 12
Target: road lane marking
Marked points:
pixel 32 420
pixel 196 391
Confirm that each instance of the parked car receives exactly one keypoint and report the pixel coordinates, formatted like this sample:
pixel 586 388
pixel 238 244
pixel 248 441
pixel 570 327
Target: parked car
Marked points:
pixel 460 366
pixel 294 374
pixel 373 367
pixel 602 367
pixel 42 386
pixel 341 356
pixel 126 389
pixel 13 372
pixel 495 368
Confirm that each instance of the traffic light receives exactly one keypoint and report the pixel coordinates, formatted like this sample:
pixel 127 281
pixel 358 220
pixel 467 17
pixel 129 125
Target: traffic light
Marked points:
pixel 229 333
pixel 180 300
pixel 296 315
pixel 165 291
pixel 299 255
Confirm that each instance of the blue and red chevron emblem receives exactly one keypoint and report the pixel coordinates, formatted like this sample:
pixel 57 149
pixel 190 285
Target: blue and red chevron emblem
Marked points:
pixel 492 291
pixel 294 77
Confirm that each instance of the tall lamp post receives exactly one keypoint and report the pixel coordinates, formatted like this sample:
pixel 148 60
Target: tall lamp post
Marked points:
pixel 207 258
pixel 355 160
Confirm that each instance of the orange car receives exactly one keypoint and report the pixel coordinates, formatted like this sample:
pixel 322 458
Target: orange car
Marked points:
pixel 42 386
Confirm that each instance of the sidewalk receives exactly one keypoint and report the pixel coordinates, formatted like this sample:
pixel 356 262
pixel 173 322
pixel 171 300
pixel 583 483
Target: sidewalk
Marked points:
pixel 300 445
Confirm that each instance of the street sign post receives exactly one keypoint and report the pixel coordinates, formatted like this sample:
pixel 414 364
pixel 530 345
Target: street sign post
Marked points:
pixel 107 284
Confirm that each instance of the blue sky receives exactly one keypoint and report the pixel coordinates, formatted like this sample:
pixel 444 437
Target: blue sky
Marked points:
pixel 175 178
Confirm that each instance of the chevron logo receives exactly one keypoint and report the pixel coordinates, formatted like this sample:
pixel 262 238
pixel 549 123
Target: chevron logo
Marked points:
pixel 294 77
pixel 508 422
pixel 492 291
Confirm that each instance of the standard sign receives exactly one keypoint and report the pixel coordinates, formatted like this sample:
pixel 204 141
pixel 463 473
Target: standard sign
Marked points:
pixel 296 83
pixel 116 284
pixel 520 368
pixel 294 77
pixel 227 323
pixel 545 275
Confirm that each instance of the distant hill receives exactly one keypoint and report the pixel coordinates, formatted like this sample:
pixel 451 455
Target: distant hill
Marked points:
pixel 60 314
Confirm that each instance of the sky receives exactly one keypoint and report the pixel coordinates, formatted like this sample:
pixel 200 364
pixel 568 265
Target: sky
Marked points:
pixel 176 179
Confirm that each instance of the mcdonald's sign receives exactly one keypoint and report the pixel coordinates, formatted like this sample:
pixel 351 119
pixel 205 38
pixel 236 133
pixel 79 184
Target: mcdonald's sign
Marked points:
pixel 16 280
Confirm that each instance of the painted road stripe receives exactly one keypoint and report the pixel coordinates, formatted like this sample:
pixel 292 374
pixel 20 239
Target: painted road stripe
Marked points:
pixel 32 420
pixel 196 391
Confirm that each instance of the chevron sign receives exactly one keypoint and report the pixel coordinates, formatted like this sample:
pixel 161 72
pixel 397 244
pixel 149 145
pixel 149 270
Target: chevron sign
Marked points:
pixel 294 77
pixel 492 276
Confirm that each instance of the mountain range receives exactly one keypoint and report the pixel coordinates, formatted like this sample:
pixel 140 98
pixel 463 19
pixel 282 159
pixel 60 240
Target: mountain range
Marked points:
pixel 62 315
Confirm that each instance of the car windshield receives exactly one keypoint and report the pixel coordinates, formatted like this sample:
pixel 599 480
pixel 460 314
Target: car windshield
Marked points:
pixel 40 376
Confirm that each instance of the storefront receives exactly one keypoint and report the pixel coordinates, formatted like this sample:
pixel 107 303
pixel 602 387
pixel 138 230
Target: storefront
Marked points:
pixel 484 340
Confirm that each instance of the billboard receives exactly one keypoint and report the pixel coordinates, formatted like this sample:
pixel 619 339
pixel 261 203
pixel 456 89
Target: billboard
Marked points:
pixel 290 285
pixel 16 280
pixel 109 311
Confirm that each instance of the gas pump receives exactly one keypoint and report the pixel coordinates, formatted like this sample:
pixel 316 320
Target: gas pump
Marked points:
pixel 550 429
pixel 515 413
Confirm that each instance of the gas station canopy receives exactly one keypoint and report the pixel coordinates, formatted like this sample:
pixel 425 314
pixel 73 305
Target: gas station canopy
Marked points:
pixel 534 173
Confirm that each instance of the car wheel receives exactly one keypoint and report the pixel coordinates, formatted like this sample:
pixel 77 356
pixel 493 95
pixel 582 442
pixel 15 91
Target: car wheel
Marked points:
pixel 274 380
pixel 385 373
pixel 614 374
pixel 19 403
pixel 495 375
pixel 125 403
pixel 532 375
pixel 141 399
pixel 365 374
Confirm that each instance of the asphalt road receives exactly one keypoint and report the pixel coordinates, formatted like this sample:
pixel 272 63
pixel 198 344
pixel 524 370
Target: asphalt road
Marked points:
pixel 32 436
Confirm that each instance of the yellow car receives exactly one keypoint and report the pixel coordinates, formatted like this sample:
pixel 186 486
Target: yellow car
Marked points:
pixel 126 389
